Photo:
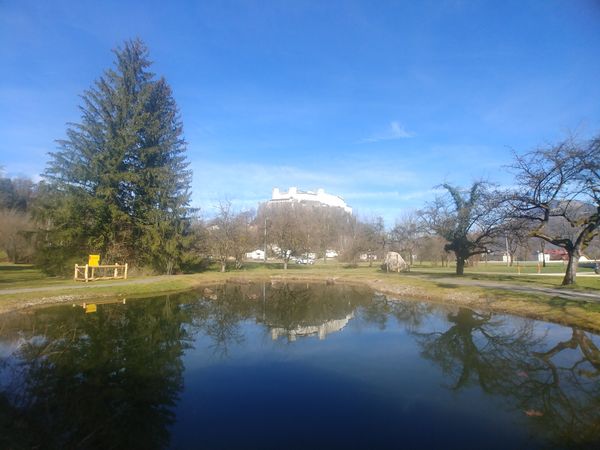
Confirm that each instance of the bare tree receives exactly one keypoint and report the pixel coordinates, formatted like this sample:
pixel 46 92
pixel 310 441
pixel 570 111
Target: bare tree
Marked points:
pixel 469 221
pixel 432 248
pixel 363 238
pixel 514 240
pixel 287 229
pixel 230 234
pixel 221 234
pixel 244 236
pixel 327 224
pixel 16 224
pixel 407 234
pixel 16 235
pixel 559 194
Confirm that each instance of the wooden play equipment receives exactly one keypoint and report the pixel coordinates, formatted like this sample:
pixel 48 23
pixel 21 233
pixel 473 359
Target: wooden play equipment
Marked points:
pixel 94 271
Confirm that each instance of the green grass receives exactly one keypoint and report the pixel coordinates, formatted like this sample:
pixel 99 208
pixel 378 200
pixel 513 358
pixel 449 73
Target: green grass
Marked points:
pixel 14 276
pixel 26 275
pixel 528 267
pixel 430 283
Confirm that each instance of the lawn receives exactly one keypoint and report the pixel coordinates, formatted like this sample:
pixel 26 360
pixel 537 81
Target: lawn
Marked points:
pixel 14 276
pixel 423 282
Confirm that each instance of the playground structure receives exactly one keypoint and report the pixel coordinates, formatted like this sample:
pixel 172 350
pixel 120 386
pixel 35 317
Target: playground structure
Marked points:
pixel 94 271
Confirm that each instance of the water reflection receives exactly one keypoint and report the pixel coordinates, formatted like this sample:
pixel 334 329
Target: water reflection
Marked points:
pixel 113 379
pixel 556 384
pixel 103 380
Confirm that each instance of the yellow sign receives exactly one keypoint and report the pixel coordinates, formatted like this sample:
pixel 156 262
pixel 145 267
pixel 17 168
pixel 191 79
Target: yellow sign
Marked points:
pixel 91 308
pixel 94 260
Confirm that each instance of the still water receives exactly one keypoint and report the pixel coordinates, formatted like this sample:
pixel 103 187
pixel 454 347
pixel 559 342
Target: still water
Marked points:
pixel 293 366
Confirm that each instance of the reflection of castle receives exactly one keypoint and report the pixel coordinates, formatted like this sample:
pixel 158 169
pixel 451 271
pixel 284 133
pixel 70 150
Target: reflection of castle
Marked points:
pixel 331 326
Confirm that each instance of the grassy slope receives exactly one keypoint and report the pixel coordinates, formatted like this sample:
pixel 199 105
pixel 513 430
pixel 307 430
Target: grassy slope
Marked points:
pixel 422 283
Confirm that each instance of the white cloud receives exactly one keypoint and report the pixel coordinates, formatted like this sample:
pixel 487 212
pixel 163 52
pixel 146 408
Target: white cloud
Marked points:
pixel 394 131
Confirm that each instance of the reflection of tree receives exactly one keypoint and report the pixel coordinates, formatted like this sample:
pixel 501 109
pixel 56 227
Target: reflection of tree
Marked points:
pixel 568 388
pixel 106 380
pixel 220 318
pixel 560 387
pixel 111 379
pixel 409 314
pixel 472 351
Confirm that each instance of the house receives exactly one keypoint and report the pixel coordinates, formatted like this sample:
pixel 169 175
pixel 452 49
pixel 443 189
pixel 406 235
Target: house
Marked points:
pixel 553 254
pixel 331 254
pixel 256 255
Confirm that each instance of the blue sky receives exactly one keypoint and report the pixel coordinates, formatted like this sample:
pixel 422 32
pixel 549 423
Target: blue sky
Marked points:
pixel 375 101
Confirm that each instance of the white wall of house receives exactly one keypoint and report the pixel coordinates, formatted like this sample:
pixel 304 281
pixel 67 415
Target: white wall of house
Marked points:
pixel 543 256
pixel 256 254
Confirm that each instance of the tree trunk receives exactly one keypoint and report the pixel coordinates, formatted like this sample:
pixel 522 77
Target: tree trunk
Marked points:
pixel 285 263
pixel 223 265
pixel 460 265
pixel 571 273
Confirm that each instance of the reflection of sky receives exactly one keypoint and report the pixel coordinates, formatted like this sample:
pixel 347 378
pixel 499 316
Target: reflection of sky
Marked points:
pixel 7 362
pixel 371 374
pixel 7 348
pixel 383 366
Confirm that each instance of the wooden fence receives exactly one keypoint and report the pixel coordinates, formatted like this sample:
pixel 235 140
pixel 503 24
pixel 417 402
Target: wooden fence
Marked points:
pixel 101 272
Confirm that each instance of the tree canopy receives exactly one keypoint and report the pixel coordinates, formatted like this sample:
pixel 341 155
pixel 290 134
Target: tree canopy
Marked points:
pixel 119 184
pixel 468 220
pixel 559 195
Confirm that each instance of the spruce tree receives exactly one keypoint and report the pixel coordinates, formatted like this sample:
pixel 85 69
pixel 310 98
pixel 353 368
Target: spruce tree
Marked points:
pixel 120 181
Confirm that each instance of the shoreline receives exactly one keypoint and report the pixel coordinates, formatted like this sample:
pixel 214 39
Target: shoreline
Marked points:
pixel 567 308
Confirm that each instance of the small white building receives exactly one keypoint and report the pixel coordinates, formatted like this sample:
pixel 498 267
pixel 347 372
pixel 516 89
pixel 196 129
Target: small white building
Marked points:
pixel 368 257
pixel 331 254
pixel 543 257
pixel 256 255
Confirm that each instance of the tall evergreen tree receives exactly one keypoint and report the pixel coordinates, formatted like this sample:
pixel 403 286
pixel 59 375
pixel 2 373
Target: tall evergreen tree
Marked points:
pixel 119 184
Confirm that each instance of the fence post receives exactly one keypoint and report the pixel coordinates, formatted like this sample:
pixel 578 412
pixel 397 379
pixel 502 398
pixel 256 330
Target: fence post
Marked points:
pixel 125 277
pixel 75 275
pixel 86 273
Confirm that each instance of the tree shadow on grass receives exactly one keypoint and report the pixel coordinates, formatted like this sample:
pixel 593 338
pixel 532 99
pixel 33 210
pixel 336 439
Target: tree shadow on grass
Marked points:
pixel 447 285
pixel 15 268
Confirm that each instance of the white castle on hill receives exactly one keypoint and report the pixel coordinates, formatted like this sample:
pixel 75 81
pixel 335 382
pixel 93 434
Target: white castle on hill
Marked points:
pixel 294 195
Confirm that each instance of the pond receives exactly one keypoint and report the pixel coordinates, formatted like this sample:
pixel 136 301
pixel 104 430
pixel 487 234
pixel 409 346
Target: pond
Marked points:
pixel 289 366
